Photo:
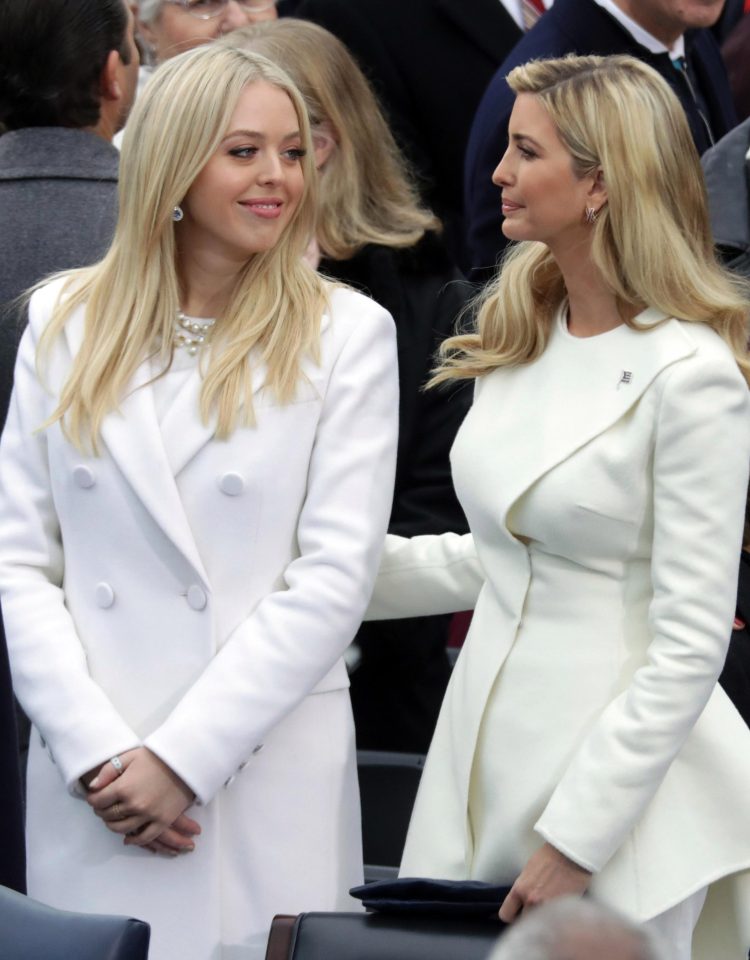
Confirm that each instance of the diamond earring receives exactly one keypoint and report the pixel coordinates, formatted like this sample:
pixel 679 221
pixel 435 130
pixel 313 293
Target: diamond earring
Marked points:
pixel 177 214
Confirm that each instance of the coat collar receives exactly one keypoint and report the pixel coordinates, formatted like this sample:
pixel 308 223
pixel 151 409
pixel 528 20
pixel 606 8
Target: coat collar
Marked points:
pixel 57 153
pixel 135 441
pixel 575 391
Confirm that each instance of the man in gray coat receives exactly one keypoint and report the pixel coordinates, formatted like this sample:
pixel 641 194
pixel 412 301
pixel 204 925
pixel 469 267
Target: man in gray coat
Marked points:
pixel 68 72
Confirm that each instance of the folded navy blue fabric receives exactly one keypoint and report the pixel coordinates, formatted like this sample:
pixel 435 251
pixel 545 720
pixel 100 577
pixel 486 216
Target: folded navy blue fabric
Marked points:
pixel 469 898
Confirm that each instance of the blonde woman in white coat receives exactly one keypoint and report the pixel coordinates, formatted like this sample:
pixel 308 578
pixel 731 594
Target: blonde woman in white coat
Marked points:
pixel 583 743
pixel 195 483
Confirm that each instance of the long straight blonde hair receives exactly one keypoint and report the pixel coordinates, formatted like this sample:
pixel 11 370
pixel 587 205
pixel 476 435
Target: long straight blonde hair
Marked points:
pixel 367 193
pixel 652 241
pixel 133 296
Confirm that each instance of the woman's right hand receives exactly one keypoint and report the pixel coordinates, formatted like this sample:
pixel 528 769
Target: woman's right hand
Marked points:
pixel 177 838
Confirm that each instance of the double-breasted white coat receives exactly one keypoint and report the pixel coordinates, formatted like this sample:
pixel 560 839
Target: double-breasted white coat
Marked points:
pixel 604 485
pixel 195 595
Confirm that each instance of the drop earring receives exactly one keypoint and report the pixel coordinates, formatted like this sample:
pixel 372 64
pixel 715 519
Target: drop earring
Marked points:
pixel 177 214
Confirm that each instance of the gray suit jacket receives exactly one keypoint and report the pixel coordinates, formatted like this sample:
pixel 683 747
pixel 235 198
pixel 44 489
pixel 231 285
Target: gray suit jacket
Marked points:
pixel 58 206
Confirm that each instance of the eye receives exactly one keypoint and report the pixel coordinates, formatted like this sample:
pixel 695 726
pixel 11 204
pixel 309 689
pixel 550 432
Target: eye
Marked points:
pixel 526 153
pixel 244 153
pixel 294 154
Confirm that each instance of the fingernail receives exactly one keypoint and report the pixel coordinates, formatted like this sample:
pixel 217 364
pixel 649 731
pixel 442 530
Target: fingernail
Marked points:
pixel 187 849
pixel 93 783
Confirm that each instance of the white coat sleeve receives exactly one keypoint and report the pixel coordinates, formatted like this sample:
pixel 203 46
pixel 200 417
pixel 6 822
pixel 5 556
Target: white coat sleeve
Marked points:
pixel 50 676
pixel 426 575
pixel 277 655
pixel 700 473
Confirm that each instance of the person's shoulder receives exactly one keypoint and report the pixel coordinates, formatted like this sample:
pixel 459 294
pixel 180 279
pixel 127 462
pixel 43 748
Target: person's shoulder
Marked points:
pixel 352 315
pixel 710 361
pixel 46 297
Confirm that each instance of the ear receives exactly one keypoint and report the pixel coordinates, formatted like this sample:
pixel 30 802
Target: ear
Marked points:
pixel 324 140
pixel 597 194
pixel 109 79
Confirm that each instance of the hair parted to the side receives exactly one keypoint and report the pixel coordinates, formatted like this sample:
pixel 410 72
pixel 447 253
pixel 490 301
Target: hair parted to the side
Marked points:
pixel 652 239
pixel 367 194
pixel 132 295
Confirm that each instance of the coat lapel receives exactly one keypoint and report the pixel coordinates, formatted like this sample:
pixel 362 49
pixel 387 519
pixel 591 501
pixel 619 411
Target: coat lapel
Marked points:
pixel 486 22
pixel 572 394
pixel 133 438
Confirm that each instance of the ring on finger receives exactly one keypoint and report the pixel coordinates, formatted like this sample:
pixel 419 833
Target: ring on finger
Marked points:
pixel 117 810
pixel 117 764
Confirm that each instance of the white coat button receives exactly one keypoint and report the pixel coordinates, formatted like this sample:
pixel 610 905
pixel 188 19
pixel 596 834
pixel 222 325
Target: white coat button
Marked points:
pixel 232 484
pixel 84 477
pixel 196 598
pixel 105 595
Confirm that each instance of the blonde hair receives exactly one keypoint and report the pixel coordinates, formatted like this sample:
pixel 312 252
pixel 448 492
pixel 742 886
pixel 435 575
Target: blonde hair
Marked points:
pixel 652 241
pixel 367 194
pixel 132 295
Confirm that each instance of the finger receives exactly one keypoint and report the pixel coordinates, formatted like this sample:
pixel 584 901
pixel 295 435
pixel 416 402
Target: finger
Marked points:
pixel 104 797
pixel 126 825
pixel 114 813
pixel 187 825
pixel 176 840
pixel 511 907
pixel 144 834
pixel 162 848
pixel 108 774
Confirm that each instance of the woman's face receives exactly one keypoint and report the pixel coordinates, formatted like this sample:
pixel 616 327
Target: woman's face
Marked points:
pixel 243 199
pixel 542 197
pixel 177 27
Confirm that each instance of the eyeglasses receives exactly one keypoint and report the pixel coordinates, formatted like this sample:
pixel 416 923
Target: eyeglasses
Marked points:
pixel 208 9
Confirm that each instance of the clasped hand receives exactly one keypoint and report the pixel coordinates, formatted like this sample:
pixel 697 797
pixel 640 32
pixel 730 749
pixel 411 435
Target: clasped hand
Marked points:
pixel 548 874
pixel 146 803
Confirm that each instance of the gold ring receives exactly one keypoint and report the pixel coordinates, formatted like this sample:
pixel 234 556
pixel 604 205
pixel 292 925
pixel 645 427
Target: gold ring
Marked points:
pixel 116 809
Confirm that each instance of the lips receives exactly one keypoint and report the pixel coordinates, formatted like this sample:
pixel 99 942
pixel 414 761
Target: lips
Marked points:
pixel 267 208
pixel 508 206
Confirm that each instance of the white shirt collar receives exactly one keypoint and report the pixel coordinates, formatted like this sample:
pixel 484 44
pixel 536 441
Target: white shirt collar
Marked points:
pixel 641 36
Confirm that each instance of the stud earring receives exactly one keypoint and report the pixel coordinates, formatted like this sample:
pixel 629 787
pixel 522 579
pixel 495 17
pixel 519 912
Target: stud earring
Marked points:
pixel 177 214
pixel 591 215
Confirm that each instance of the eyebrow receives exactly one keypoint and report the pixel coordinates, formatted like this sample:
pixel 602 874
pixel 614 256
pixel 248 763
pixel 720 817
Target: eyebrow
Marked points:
pixel 257 135
pixel 524 136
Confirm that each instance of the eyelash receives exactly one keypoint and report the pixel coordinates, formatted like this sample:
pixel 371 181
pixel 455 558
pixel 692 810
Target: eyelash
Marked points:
pixel 526 153
pixel 247 153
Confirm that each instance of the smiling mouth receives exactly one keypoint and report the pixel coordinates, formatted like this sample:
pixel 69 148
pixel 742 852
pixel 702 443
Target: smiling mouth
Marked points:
pixel 266 209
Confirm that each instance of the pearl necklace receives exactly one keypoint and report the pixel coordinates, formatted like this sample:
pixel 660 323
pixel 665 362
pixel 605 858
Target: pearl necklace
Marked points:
pixel 191 333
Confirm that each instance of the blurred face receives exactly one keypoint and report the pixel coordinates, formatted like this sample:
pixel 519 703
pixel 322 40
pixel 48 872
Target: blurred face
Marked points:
pixel 188 23
pixel 243 199
pixel 669 19
pixel 542 198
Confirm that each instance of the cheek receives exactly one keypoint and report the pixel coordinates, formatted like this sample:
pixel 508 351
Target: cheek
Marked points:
pixel 179 31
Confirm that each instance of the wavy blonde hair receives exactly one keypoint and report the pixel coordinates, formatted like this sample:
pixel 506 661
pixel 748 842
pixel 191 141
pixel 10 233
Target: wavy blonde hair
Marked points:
pixel 133 295
pixel 367 194
pixel 651 242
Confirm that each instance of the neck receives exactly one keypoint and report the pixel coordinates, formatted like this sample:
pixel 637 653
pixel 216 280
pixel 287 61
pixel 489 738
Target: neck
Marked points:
pixel 107 125
pixel 593 306
pixel 206 283
pixel 646 15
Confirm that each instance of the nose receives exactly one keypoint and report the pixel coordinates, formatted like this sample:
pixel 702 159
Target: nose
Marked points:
pixel 502 175
pixel 235 16
pixel 270 170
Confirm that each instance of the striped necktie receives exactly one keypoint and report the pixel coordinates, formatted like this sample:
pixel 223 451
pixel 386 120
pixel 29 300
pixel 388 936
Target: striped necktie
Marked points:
pixel 531 11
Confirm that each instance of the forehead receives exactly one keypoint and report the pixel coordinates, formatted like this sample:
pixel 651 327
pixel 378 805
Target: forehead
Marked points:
pixel 530 118
pixel 263 104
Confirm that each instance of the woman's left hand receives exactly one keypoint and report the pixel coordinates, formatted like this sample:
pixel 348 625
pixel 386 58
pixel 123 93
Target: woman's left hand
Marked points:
pixel 547 874
pixel 144 801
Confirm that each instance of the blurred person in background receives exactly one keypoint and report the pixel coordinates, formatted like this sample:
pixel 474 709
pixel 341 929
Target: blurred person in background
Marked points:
pixel 375 235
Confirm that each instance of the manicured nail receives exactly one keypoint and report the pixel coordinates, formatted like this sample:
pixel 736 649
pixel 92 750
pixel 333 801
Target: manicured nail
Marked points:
pixel 187 849
pixel 94 783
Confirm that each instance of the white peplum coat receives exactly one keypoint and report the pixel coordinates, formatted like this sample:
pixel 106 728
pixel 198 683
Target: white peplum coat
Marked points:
pixel 604 485
pixel 196 595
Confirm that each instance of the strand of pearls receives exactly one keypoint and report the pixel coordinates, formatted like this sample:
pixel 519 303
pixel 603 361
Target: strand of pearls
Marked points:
pixel 191 333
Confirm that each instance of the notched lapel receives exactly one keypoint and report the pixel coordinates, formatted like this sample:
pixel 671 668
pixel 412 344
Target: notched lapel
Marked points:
pixel 553 408
pixel 486 22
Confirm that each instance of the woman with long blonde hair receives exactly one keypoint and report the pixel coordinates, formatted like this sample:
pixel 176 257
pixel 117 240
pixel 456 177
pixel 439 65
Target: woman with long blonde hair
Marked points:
pixel 584 743
pixel 373 234
pixel 195 483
